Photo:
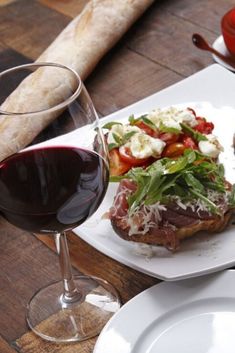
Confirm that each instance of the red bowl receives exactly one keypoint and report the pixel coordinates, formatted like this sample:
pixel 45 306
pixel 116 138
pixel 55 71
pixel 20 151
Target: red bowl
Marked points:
pixel 228 30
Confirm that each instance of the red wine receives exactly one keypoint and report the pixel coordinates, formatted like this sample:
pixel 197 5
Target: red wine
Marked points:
pixel 51 189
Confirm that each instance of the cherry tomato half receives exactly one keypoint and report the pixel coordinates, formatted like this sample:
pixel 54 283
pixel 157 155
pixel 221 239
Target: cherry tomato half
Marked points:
pixel 174 150
pixel 126 156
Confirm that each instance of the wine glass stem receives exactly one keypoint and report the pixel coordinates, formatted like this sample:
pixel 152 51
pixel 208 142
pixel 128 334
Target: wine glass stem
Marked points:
pixel 70 291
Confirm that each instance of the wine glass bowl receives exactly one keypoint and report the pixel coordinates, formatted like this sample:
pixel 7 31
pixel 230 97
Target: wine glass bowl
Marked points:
pixel 53 176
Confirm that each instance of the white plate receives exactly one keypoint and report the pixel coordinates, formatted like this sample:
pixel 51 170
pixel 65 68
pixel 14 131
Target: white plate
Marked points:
pixel 195 316
pixel 219 45
pixel 211 92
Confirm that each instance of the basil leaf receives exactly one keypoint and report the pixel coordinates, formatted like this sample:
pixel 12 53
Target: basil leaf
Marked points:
pixel 111 146
pixel 165 128
pixel 109 125
pixel 149 123
pixel 127 136
pixel 117 139
pixel 132 120
pixel 193 133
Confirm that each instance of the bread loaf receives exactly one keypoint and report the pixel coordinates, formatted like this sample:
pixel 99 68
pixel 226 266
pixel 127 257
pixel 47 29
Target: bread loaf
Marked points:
pixel 80 46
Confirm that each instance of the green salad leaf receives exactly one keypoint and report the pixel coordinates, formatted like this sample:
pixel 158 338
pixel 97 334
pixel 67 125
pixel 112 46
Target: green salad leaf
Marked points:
pixel 190 177
pixel 109 125
pixel 165 128
pixel 193 133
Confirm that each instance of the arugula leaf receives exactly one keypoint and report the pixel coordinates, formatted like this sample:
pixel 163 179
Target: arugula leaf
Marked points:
pixel 211 205
pixel 193 182
pixel 189 177
pixel 176 165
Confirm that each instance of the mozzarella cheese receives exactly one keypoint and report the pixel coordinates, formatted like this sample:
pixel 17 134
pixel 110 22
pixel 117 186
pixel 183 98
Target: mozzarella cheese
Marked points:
pixel 120 130
pixel 172 117
pixel 211 147
pixel 142 145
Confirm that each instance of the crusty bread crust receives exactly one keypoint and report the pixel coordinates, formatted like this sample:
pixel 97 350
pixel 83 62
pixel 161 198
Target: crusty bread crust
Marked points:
pixel 215 225
pixel 91 34
pixel 80 46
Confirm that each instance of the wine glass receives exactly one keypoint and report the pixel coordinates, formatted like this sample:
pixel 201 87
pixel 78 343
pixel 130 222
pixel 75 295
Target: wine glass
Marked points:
pixel 53 176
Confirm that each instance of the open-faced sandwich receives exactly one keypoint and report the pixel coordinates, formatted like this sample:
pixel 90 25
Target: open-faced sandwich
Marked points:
pixel 172 196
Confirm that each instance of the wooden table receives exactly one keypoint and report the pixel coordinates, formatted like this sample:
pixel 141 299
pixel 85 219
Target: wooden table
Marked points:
pixel 154 54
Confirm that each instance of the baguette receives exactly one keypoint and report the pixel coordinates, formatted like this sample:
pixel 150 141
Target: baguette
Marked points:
pixel 80 46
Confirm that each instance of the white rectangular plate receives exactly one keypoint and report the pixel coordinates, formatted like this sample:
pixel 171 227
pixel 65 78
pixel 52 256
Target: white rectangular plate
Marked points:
pixel 211 93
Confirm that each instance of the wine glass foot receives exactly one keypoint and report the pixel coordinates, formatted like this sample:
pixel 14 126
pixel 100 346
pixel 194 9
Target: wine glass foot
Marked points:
pixel 55 320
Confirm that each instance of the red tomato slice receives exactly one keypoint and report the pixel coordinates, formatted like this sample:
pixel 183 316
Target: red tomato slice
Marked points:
pixel 204 127
pixel 117 165
pixel 126 156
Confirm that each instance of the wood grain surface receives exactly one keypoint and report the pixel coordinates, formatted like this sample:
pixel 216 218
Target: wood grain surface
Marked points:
pixel 155 53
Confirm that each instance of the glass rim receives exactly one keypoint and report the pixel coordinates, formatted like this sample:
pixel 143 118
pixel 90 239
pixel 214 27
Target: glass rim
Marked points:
pixel 46 110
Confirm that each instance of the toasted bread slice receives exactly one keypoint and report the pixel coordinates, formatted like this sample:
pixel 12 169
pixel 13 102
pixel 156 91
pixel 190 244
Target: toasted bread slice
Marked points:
pixel 171 237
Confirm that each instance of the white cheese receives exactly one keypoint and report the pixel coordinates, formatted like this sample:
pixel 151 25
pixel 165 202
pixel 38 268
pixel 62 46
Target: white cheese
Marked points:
pixel 120 130
pixel 172 117
pixel 211 147
pixel 142 145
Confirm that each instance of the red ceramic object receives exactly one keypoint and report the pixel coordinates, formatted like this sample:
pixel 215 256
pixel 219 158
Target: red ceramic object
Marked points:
pixel 228 30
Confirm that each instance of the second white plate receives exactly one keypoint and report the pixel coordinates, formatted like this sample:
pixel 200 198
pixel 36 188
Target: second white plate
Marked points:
pixel 195 316
pixel 219 45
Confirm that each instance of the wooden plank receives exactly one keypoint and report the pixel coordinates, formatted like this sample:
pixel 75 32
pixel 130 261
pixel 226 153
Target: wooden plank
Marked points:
pixel 91 262
pixel 4 347
pixel 27 265
pixel 123 77
pixel 29 343
pixel 29 27
pixel 6 2
pixel 69 8
pixel 205 14
pixel 10 58
pixel 170 46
